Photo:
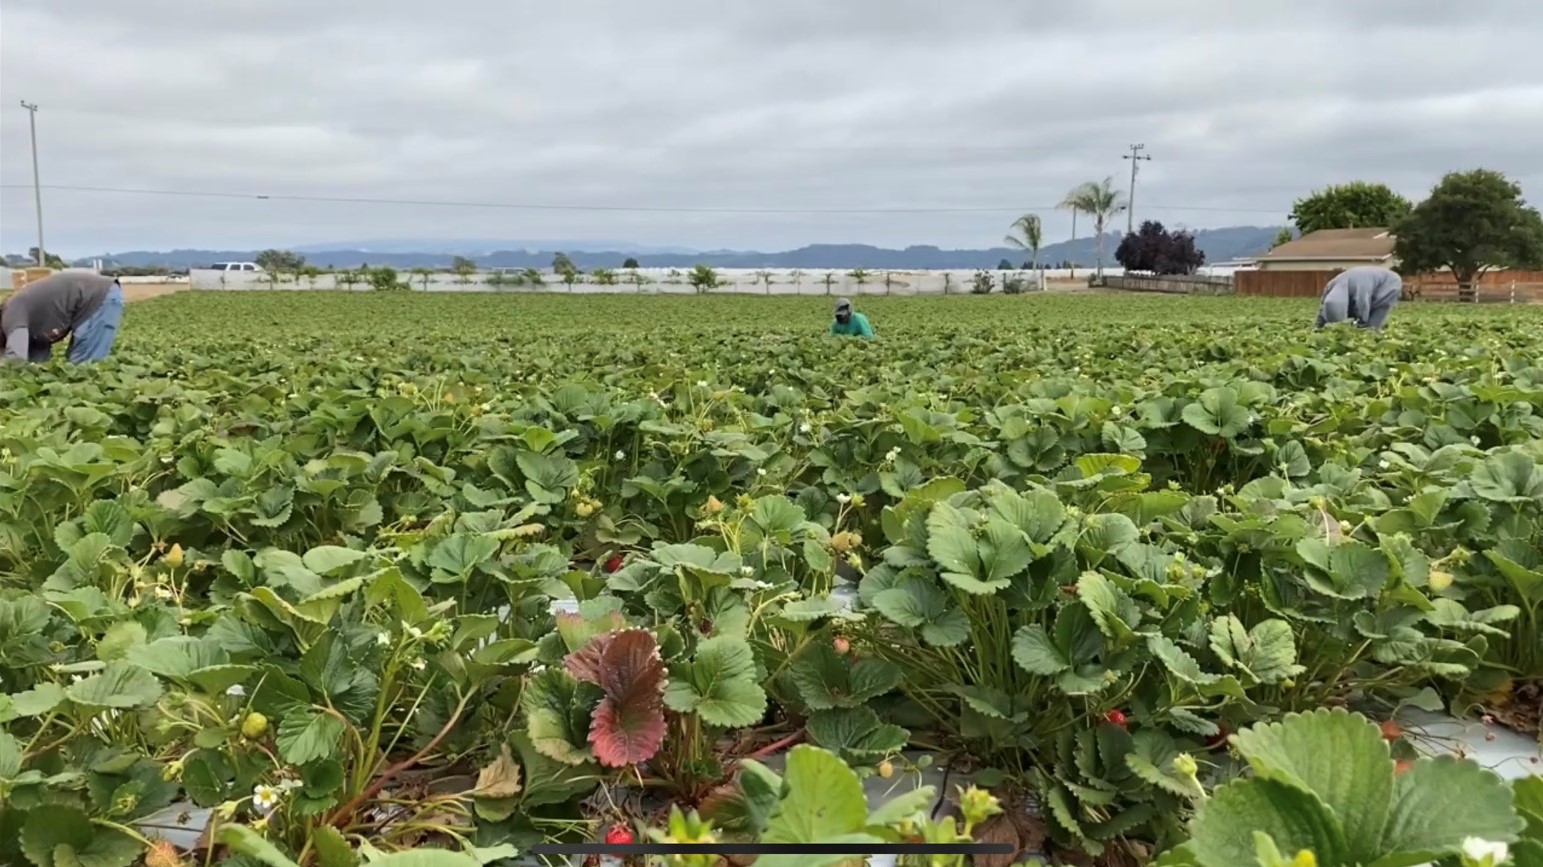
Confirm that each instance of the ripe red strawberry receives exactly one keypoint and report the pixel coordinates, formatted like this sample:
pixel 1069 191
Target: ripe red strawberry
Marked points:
pixel 1391 731
pixel 614 563
pixel 1402 766
pixel 1116 717
pixel 1219 740
pixel 619 835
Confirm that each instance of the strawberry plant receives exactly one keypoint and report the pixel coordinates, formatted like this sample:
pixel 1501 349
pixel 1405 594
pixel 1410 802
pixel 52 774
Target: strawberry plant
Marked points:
pixel 375 577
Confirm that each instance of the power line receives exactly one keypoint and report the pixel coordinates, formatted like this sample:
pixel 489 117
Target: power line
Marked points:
pixel 645 209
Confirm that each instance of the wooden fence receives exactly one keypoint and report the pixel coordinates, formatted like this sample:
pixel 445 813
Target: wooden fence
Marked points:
pixel 1189 284
pixel 1493 286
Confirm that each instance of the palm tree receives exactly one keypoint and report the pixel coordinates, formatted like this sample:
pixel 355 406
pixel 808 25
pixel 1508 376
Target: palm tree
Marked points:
pixel 1033 235
pixel 1100 200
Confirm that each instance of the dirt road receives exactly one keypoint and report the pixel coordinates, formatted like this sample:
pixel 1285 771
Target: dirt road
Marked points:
pixel 146 291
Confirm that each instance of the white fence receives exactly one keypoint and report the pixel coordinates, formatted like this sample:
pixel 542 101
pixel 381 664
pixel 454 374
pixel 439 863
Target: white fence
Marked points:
pixel 664 281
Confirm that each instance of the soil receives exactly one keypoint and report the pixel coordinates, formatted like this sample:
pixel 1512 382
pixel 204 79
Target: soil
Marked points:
pixel 1523 710
pixel 146 291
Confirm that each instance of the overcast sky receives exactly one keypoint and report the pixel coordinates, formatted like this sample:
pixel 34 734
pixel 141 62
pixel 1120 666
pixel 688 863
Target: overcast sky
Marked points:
pixel 893 107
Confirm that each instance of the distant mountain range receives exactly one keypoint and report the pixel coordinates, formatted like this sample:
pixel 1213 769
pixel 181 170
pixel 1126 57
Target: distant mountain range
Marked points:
pixel 1219 245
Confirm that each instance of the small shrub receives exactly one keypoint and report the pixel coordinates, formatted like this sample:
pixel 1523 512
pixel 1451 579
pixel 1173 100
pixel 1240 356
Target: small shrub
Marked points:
pixel 983 283
pixel 384 279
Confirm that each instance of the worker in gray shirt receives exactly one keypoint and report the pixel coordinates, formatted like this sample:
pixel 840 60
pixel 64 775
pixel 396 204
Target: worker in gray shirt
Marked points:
pixel 81 305
pixel 1364 295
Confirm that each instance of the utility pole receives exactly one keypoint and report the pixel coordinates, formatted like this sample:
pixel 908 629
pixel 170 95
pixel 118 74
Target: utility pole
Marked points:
pixel 37 186
pixel 1135 158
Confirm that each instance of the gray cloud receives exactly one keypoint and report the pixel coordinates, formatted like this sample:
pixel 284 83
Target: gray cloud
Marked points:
pixel 800 105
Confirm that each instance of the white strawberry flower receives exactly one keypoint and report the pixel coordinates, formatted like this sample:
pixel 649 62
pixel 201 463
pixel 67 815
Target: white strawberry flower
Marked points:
pixel 420 664
pixel 265 798
pixel 805 428
pixel 235 690
pixel 843 499
pixel 382 638
pixel 620 455
pixel 1479 852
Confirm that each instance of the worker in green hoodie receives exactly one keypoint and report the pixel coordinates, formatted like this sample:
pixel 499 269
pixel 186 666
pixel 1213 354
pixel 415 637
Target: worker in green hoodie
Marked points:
pixel 849 322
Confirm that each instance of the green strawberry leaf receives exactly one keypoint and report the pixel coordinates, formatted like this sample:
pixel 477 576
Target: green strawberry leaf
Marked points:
pixel 1223 833
pixel 719 684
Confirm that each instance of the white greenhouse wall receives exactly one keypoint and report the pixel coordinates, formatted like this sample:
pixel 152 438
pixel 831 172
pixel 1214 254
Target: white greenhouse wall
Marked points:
pixel 659 281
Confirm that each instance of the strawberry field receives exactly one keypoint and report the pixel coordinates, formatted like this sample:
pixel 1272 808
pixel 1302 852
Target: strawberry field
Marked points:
pixel 345 576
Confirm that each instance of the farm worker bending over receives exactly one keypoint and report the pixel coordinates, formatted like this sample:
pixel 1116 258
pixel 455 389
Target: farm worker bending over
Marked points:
pixel 86 307
pixel 1365 295
pixel 849 322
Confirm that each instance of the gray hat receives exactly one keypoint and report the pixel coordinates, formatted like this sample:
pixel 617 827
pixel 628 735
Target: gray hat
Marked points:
pixel 843 304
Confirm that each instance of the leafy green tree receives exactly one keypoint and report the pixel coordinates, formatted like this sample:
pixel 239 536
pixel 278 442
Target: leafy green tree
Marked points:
pixel 50 260
pixel 604 277
pixel 630 263
pixel 1102 201
pixel 1356 205
pixel 1471 222
pixel 1030 236
pixel 703 279
pixel 280 261
pixel 463 268
pixel 764 277
pixel 562 263
pixel 1005 265
pixel 384 279
pixel 1284 236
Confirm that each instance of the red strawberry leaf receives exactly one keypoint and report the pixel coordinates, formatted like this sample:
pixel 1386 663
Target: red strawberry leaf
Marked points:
pixel 627 732
pixel 628 725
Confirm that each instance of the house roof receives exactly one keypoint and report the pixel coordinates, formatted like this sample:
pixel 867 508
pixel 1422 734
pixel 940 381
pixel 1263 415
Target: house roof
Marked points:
pixel 1373 245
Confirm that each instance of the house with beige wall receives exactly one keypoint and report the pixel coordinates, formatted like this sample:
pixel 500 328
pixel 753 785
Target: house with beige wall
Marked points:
pixel 1331 250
